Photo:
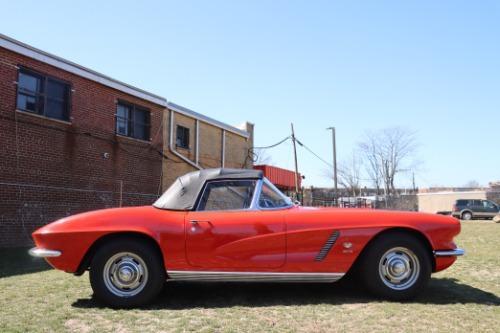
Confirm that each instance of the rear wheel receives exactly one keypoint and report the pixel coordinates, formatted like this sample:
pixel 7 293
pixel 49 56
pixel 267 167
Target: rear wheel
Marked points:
pixel 397 266
pixel 126 273
pixel 467 216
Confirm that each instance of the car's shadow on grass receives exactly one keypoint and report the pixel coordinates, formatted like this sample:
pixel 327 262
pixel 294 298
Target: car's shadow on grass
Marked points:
pixel 184 295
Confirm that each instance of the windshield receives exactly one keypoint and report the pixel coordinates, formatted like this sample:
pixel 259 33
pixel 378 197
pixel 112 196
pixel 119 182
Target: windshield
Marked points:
pixel 271 197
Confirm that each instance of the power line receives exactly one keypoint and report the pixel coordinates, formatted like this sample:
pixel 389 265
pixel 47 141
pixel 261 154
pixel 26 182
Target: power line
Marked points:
pixel 309 150
pixel 324 161
pixel 274 145
pixel 299 142
pixel 252 156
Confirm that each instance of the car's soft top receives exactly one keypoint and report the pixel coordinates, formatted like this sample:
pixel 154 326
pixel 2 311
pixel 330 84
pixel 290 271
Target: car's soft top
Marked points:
pixel 182 194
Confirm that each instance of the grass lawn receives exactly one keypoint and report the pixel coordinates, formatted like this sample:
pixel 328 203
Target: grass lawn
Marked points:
pixel 465 297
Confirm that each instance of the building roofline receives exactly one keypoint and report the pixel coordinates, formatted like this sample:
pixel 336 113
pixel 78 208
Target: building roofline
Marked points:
pixel 190 113
pixel 71 67
pixel 453 192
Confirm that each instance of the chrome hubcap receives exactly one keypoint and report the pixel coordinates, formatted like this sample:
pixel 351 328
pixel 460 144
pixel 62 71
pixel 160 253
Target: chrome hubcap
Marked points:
pixel 399 268
pixel 125 274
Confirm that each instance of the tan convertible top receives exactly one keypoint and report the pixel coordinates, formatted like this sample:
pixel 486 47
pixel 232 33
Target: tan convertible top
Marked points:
pixel 183 193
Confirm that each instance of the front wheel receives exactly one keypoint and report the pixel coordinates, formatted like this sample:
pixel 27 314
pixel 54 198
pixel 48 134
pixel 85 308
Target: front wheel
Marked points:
pixel 126 273
pixel 397 266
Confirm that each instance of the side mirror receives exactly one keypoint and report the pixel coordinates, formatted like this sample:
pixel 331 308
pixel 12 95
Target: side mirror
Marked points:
pixel 297 203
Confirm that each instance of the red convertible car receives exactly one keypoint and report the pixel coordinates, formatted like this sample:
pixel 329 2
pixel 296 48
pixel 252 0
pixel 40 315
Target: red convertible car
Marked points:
pixel 234 225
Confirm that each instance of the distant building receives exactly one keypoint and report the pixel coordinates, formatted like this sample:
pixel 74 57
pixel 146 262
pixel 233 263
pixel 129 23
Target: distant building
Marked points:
pixel 74 140
pixel 441 199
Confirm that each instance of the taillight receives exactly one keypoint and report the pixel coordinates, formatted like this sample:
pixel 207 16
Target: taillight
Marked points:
pixel 454 208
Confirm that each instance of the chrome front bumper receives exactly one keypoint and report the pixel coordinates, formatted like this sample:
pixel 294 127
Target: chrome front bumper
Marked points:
pixel 450 253
pixel 43 253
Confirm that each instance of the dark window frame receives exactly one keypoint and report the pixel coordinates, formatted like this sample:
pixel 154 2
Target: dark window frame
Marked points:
pixel 42 97
pixel 131 121
pixel 184 139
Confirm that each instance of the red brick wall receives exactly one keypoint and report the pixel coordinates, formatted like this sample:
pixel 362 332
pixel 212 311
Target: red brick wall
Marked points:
pixel 50 169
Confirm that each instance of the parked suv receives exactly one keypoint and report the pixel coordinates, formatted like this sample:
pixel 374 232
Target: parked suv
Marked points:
pixel 467 209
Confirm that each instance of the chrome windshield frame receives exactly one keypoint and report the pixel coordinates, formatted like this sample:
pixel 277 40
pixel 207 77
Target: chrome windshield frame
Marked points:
pixel 258 190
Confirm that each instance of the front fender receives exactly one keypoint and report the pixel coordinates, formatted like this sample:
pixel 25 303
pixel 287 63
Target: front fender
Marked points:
pixel 73 236
pixel 74 245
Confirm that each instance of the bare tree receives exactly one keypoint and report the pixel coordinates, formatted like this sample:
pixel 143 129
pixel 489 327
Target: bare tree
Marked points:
pixel 372 163
pixel 472 184
pixel 260 156
pixel 388 152
pixel 349 174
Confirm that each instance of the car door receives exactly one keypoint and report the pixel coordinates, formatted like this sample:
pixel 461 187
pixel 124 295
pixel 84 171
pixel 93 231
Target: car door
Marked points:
pixel 225 234
pixel 477 208
pixel 490 209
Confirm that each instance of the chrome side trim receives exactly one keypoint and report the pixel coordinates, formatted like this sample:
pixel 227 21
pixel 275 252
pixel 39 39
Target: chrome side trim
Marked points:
pixel 253 276
pixel 450 253
pixel 328 246
pixel 43 253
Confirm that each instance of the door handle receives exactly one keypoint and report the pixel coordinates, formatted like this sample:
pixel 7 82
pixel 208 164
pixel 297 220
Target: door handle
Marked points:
pixel 194 222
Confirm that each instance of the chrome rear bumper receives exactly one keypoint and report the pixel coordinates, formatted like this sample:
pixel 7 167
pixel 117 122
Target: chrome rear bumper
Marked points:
pixel 43 253
pixel 450 253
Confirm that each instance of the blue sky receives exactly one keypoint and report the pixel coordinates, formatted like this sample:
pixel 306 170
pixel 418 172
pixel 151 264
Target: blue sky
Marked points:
pixel 430 66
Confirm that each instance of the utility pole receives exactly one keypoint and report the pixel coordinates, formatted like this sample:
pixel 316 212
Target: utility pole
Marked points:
pixel 296 165
pixel 334 160
pixel 413 180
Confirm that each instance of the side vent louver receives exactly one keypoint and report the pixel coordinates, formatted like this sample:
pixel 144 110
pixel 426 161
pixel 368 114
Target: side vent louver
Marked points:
pixel 328 246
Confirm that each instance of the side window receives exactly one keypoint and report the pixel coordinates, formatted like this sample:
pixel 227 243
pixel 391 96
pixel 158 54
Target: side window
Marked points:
pixel 132 121
pixel 122 119
pixel 182 140
pixel 43 95
pixel 488 204
pixel 227 195
pixel 477 203
pixel 270 199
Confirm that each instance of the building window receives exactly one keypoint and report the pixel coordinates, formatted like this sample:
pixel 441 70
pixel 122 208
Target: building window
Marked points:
pixel 43 95
pixel 132 121
pixel 182 137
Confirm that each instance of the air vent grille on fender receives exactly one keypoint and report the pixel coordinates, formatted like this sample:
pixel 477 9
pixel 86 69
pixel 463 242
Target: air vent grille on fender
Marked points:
pixel 328 246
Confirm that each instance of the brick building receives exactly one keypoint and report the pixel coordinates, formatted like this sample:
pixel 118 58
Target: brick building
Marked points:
pixel 73 140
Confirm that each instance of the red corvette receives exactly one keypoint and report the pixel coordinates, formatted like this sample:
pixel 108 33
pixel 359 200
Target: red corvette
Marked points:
pixel 234 225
